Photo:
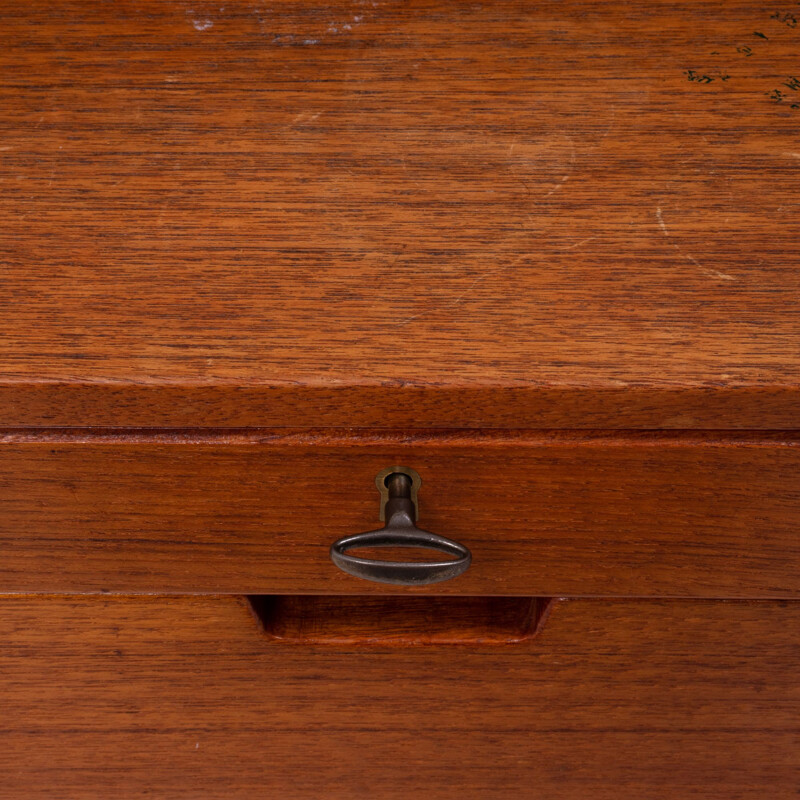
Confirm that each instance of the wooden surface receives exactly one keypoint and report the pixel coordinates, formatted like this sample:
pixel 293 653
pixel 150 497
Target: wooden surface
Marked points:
pixel 186 698
pixel 555 214
pixel 543 514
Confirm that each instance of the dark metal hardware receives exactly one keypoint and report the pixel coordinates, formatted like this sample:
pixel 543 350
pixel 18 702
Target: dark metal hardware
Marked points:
pixel 400 531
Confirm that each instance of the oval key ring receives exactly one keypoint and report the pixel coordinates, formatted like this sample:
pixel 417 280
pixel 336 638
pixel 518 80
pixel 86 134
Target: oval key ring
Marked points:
pixel 400 531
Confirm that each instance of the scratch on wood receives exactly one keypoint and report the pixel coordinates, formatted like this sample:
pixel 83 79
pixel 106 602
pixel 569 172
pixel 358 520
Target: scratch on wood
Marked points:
pixel 713 273
pixel 458 300
pixel 302 118
pixel 570 167
pixel 581 242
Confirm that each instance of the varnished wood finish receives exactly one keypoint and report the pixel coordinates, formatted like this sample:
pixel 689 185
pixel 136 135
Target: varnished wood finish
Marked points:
pixel 394 213
pixel 187 698
pixel 271 250
pixel 543 514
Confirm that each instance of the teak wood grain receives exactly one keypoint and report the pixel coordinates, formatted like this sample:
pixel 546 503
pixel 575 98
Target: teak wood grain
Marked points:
pixel 254 512
pixel 186 697
pixel 399 213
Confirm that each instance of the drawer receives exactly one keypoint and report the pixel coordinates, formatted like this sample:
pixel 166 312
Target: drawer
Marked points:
pixel 545 514
pixel 187 697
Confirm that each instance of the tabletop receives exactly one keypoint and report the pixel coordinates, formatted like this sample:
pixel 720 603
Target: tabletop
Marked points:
pixel 500 214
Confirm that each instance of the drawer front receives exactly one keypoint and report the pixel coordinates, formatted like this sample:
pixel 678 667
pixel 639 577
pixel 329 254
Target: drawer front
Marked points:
pixel 256 513
pixel 187 697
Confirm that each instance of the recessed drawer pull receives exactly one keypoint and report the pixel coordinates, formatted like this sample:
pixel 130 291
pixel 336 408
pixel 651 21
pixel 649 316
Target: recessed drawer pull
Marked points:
pixel 392 620
pixel 400 531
